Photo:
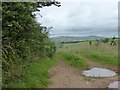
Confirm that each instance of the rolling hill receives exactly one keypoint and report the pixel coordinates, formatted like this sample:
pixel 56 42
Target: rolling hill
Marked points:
pixel 74 39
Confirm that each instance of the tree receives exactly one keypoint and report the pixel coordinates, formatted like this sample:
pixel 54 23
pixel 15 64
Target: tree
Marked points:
pixel 113 43
pixel 106 40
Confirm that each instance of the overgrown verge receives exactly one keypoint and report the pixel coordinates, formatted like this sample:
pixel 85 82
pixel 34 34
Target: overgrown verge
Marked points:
pixel 22 39
pixel 36 74
pixel 101 57
pixel 73 60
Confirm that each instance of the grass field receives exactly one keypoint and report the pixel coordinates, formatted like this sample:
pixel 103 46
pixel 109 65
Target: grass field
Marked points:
pixel 102 53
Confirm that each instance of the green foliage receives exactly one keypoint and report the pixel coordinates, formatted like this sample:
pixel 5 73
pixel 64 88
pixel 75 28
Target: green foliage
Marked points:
pixel 101 57
pixel 106 40
pixel 73 60
pixel 36 74
pixel 22 39
pixel 50 48
pixel 104 53
pixel 113 42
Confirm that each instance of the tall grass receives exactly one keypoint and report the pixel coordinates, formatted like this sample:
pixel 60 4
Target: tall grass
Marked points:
pixel 73 60
pixel 102 53
pixel 36 75
pixel 101 58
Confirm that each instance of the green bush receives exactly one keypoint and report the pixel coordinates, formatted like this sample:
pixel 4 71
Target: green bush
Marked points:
pixel 22 39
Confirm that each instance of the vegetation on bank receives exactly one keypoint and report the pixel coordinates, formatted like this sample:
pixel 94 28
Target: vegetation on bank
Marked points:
pixel 23 39
pixel 73 60
pixel 36 74
pixel 101 57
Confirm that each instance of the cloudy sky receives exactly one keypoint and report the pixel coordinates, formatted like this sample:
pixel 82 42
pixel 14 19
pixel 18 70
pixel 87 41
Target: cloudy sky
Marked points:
pixel 82 18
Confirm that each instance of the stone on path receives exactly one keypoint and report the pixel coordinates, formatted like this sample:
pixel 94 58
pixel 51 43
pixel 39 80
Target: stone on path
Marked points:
pixel 99 72
pixel 114 85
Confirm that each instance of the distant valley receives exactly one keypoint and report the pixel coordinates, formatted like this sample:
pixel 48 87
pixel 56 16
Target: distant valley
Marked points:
pixel 74 38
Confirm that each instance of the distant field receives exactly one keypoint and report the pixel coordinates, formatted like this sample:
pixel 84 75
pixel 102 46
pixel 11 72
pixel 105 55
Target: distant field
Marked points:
pixel 101 53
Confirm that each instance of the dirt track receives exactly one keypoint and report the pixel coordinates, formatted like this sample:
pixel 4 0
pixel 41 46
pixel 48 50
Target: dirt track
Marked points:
pixel 63 76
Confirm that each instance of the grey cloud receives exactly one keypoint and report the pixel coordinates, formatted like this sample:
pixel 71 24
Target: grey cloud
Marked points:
pixel 81 18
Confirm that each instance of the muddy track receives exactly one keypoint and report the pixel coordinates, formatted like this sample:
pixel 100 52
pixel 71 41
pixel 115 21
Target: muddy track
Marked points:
pixel 63 76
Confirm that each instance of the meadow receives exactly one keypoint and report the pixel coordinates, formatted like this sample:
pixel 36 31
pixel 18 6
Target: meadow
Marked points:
pixel 102 53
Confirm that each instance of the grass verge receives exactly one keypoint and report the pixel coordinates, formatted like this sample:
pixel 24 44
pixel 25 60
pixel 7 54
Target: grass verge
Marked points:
pixel 74 60
pixel 101 58
pixel 36 74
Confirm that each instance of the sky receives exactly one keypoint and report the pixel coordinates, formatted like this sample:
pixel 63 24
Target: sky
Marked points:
pixel 81 18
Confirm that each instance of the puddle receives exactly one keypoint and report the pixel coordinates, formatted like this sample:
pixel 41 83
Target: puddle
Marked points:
pixel 99 72
pixel 114 85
